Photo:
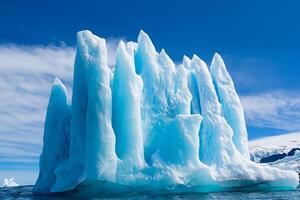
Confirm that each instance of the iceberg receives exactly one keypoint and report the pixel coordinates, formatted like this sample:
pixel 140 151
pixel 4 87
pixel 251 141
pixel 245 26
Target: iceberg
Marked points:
pixel 148 125
pixel 9 182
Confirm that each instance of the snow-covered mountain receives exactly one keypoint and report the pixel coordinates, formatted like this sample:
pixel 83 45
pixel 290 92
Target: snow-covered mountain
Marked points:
pixel 268 146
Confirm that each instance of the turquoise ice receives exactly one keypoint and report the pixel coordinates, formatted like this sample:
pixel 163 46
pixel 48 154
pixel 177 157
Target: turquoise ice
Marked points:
pixel 56 137
pixel 148 124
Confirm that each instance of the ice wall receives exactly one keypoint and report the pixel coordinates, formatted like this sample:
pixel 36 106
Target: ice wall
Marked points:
pixel 56 137
pixel 126 110
pixel 92 155
pixel 231 104
pixel 150 125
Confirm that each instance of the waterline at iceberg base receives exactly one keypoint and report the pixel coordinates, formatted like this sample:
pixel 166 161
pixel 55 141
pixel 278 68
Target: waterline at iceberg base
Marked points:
pixel 148 125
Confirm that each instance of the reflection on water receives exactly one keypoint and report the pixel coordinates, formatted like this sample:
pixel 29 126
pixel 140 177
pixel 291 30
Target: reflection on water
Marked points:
pixel 25 193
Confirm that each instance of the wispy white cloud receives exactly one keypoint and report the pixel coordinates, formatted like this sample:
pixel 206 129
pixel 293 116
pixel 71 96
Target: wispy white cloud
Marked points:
pixel 26 75
pixel 273 109
pixel 257 80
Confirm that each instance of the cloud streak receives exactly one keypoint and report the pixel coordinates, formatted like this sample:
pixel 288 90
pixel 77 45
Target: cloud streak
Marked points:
pixel 26 75
pixel 273 109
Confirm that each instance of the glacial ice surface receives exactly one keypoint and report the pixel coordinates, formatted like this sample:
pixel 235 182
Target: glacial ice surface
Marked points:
pixel 148 125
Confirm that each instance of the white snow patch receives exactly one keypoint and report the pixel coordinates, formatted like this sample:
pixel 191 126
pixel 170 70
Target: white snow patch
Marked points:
pixel 9 182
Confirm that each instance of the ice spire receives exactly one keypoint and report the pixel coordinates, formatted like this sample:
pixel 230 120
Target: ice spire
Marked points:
pixel 126 107
pixel 92 147
pixel 231 104
pixel 145 42
pixel 153 102
pixel 166 62
pixel 56 134
pixel 76 161
pixel 145 48
pixel 193 86
pixel 215 134
pixel 100 158
pixel 186 62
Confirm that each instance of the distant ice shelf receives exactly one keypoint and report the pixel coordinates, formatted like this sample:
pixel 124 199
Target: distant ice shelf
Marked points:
pixel 148 125
pixel 278 145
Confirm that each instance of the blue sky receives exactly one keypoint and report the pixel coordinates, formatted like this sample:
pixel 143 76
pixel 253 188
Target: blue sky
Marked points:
pixel 259 41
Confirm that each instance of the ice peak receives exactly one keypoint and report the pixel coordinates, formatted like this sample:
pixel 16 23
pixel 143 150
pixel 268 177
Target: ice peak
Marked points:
pixel 121 46
pixel 217 60
pixel 186 61
pixel 195 58
pixel 144 41
pixel 197 61
pixel 88 41
pixel 227 95
pixel 87 37
pixel 165 59
pixel 84 33
pixel 122 55
pixel 57 83
pixel 163 52
pixel 132 45
pixel 164 56
pixel 92 48
pixel 218 70
pixel 142 34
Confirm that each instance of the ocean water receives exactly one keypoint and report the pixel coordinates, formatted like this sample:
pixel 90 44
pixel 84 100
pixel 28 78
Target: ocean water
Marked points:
pixel 25 193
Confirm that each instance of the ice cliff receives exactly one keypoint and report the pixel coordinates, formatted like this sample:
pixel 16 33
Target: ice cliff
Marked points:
pixel 148 125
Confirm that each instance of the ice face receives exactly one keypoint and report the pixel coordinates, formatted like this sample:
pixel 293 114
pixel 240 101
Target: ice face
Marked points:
pixel 231 104
pixel 126 107
pixel 214 128
pixel 56 137
pixel 91 132
pixel 149 125
pixel 100 157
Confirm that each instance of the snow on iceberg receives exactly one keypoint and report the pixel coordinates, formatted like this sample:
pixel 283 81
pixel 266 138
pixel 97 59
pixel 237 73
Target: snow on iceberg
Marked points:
pixel 148 125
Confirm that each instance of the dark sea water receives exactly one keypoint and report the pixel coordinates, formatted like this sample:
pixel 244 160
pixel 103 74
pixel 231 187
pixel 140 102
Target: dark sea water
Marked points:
pixel 25 193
